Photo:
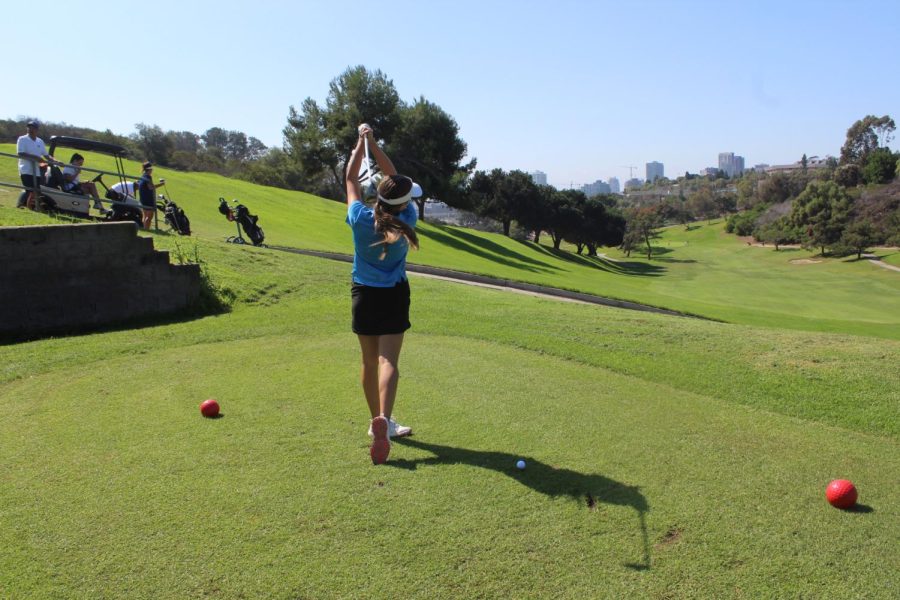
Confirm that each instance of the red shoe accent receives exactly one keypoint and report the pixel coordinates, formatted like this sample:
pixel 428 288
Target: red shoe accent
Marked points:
pixel 381 445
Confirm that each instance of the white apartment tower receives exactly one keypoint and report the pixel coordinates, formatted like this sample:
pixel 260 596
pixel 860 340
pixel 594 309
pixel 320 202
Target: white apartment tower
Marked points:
pixel 731 165
pixel 614 186
pixel 654 171
pixel 539 177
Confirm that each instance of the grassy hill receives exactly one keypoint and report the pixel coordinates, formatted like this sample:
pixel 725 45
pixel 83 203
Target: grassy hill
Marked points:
pixel 701 271
pixel 666 457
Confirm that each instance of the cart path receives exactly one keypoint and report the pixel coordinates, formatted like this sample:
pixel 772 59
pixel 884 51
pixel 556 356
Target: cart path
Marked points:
pixel 877 261
pixel 507 285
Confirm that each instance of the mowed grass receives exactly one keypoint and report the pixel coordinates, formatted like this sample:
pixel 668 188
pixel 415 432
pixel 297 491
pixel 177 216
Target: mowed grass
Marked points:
pixel 702 271
pixel 667 457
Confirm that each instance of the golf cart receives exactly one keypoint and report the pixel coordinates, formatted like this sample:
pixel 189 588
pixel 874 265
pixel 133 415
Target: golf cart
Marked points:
pixel 54 199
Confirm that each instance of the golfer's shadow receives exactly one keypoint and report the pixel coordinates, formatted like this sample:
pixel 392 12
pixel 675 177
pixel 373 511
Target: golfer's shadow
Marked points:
pixel 590 490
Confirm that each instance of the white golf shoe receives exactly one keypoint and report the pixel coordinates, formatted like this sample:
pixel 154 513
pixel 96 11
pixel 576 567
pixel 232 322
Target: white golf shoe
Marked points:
pixel 395 429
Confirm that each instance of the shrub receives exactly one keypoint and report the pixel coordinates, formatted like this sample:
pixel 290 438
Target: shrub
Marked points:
pixel 848 175
pixel 880 167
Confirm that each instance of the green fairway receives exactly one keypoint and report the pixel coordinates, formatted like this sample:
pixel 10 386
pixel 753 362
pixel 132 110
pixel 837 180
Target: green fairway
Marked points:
pixel 667 457
pixel 702 271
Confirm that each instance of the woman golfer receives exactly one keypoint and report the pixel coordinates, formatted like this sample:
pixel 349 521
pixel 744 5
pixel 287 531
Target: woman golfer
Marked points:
pixel 382 235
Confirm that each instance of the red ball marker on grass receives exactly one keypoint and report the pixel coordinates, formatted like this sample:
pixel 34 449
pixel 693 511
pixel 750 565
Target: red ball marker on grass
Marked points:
pixel 841 493
pixel 209 408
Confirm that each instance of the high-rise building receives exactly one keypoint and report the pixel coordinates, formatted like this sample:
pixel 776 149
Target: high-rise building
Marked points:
pixel 730 164
pixel 539 177
pixel 614 186
pixel 726 163
pixel 593 189
pixel 654 171
pixel 634 182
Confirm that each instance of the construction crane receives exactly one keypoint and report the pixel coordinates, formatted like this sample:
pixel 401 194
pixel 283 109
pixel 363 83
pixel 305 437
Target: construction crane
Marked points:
pixel 630 170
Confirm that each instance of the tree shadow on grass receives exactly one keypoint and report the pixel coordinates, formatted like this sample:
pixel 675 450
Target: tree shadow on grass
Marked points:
pixel 494 247
pixel 588 489
pixel 604 264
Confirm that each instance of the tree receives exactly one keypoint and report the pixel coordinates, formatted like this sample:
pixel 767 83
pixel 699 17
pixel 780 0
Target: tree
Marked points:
pixel 532 207
pixel 725 203
pixel 804 163
pixel 565 214
pixel 820 213
pixel 320 139
pixel 185 141
pixel 255 149
pixel 701 204
pixel 880 166
pixel 505 197
pixel 864 136
pixel 155 145
pixel 880 206
pixel 596 226
pixel 215 137
pixel 848 175
pixel 778 233
pixel 308 145
pixel 427 147
pixel 641 227
pixel 746 190
pixel 236 146
pixel 858 236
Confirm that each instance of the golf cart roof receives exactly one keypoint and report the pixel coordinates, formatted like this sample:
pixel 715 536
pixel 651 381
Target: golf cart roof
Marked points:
pixel 63 141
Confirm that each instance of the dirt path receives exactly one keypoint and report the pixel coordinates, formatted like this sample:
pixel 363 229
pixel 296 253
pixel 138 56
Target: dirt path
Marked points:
pixel 877 261
pixel 507 285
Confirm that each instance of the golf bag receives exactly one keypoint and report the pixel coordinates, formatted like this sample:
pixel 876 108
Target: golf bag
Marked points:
pixel 240 214
pixel 174 216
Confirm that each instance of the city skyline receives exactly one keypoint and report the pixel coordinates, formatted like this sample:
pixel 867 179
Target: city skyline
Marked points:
pixel 723 77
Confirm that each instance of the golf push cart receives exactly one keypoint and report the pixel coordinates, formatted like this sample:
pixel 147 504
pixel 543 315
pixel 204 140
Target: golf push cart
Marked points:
pixel 242 218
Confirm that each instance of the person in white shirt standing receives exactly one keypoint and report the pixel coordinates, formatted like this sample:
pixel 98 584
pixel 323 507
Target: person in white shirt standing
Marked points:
pixel 30 146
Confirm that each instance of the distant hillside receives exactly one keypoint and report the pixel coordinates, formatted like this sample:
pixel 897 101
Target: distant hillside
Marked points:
pixel 701 271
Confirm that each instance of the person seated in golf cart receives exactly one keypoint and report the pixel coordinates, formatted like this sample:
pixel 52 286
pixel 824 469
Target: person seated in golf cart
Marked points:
pixel 71 181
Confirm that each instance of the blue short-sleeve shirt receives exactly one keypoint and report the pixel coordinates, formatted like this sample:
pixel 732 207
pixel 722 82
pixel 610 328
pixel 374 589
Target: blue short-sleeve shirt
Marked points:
pixel 368 267
pixel 146 194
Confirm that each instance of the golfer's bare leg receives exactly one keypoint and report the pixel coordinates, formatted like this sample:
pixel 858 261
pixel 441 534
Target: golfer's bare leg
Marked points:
pixel 368 374
pixel 388 371
pixel 90 188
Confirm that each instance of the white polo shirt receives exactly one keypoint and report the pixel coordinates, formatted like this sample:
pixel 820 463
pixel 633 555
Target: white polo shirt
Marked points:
pixel 129 190
pixel 31 146
pixel 73 172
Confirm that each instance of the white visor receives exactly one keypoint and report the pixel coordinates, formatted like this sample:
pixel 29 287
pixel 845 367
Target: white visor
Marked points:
pixel 414 192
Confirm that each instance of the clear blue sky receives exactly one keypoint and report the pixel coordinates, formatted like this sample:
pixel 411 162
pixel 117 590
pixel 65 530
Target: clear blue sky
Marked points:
pixel 575 89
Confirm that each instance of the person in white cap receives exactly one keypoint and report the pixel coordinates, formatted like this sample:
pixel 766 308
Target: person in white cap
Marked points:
pixel 31 151
pixel 382 236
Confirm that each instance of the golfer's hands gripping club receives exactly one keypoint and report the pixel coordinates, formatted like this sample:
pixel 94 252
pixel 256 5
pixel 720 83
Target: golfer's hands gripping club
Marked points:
pixel 366 132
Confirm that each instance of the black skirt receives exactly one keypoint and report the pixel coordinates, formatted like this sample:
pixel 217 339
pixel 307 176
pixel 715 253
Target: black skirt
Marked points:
pixel 380 311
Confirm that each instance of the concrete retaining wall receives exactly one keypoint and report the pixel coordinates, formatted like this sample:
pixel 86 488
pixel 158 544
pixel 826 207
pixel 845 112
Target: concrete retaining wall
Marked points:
pixel 63 278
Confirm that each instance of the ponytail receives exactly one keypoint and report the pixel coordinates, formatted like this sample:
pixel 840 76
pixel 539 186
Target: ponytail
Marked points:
pixel 392 228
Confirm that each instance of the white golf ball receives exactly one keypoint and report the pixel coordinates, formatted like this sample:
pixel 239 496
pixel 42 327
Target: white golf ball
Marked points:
pixel 520 465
